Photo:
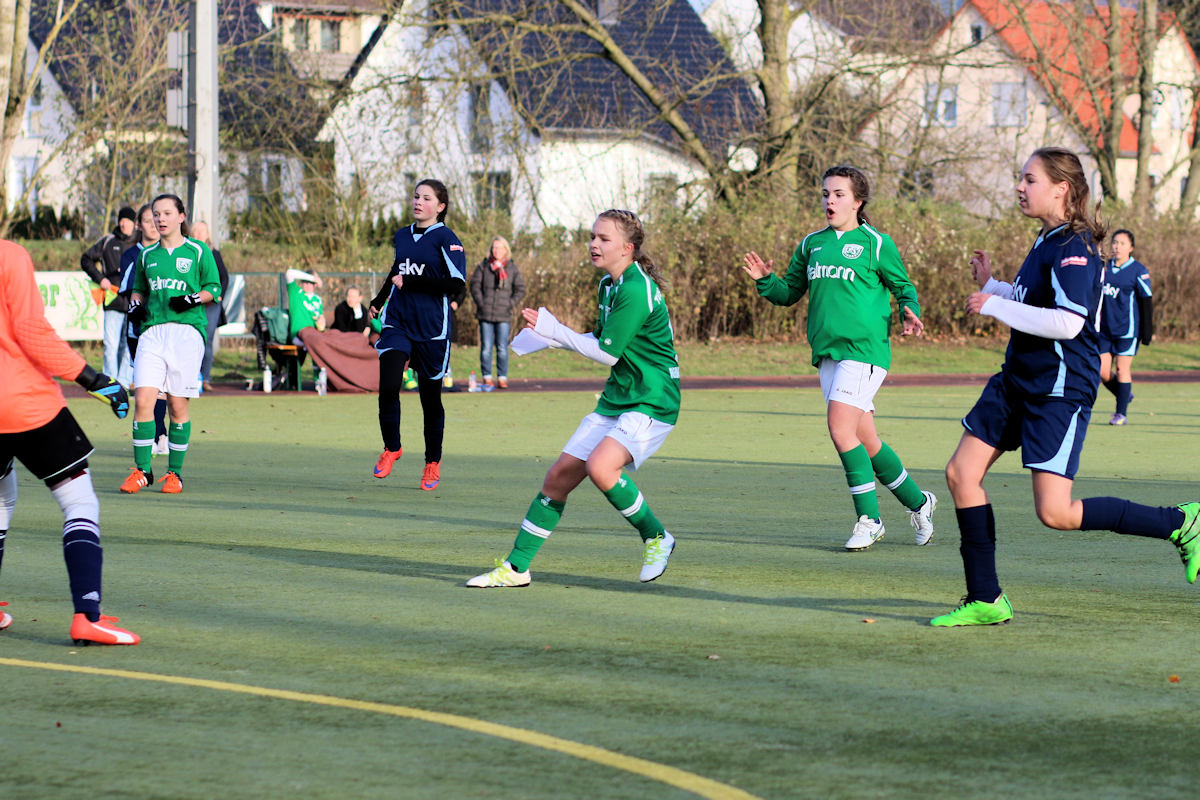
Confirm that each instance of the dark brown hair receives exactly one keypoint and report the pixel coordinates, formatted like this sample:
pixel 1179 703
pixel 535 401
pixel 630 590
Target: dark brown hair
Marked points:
pixel 858 185
pixel 635 233
pixel 442 193
pixel 1063 166
pixel 184 228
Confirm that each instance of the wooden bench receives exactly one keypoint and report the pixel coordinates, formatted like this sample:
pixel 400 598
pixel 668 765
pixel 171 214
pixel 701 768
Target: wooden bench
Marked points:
pixel 287 357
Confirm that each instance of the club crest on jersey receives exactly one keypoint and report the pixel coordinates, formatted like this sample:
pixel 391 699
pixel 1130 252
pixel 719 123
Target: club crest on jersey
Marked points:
pixel 183 265
pixel 852 250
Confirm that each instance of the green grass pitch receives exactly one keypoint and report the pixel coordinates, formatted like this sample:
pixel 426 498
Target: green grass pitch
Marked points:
pixel 766 658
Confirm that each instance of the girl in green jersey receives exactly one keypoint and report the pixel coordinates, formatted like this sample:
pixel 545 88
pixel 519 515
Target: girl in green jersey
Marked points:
pixel 848 270
pixel 637 409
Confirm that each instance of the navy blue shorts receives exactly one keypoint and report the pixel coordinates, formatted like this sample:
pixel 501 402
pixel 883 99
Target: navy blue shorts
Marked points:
pixel 52 452
pixel 1049 431
pixel 1125 346
pixel 429 360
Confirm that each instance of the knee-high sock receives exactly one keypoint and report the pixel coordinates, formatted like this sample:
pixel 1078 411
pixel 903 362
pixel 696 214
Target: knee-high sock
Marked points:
pixel 627 498
pixel 160 418
pixel 892 474
pixel 540 520
pixel 1111 384
pixel 977 528
pixel 8 503
pixel 1122 516
pixel 1124 395
pixel 391 381
pixel 435 417
pixel 81 542
pixel 143 441
pixel 178 436
pixel 861 478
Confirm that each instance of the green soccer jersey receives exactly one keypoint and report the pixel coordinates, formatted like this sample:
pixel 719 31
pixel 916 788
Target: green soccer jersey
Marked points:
pixel 848 276
pixel 303 309
pixel 163 274
pixel 634 327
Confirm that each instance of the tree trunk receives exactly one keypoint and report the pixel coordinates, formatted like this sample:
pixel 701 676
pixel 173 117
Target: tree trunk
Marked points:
pixel 779 157
pixel 1147 49
pixel 14 33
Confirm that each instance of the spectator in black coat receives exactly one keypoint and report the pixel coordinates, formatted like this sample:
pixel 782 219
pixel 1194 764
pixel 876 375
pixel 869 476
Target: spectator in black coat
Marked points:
pixel 496 288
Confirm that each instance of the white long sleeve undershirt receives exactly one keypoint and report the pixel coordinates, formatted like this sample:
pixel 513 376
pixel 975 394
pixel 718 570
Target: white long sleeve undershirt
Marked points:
pixel 585 344
pixel 1049 323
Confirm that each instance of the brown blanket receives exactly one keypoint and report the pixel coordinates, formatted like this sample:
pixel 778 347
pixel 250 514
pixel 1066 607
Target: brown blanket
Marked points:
pixel 350 362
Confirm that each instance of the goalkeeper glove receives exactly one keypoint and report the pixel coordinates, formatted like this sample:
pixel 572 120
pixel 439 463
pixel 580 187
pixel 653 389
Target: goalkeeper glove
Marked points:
pixel 102 387
pixel 184 302
pixel 137 312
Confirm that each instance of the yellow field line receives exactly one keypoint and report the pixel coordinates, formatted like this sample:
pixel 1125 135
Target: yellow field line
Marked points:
pixel 681 779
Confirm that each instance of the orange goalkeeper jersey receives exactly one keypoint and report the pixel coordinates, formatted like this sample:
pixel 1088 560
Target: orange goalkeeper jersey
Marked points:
pixel 30 351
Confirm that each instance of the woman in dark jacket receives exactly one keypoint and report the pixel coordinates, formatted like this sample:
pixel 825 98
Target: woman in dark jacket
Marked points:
pixel 496 288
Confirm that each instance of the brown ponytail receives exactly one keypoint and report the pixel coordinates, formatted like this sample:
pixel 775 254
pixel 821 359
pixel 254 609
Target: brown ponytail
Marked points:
pixel 1063 166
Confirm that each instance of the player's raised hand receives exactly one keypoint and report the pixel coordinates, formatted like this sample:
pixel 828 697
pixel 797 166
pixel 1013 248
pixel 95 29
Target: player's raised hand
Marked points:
pixel 913 326
pixel 981 268
pixel 755 267
pixel 104 388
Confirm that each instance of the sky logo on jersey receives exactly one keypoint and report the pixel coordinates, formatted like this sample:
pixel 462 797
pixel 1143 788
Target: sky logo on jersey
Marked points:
pixel 852 250
pixel 407 267
pixel 1111 291
pixel 831 271
pixel 1019 292
pixel 1074 261
pixel 170 284
pixel 183 265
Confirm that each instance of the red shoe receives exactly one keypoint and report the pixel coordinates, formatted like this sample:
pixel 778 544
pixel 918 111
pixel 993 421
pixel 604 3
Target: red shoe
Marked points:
pixel 172 483
pixel 5 618
pixel 136 480
pixel 102 631
pixel 383 467
pixel 432 476
pixel 503 382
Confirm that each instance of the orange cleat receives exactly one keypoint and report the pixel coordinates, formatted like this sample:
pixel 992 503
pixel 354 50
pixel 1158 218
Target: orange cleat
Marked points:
pixel 383 467
pixel 432 476
pixel 136 480
pixel 102 631
pixel 503 382
pixel 5 618
pixel 172 483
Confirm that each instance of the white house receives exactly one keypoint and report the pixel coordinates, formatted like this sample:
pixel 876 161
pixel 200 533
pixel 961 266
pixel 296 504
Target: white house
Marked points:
pixel 544 130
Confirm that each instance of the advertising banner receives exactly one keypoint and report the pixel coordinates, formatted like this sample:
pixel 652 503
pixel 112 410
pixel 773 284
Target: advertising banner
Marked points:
pixel 71 306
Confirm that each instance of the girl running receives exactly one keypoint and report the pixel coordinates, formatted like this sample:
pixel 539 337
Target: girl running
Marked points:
pixel 175 277
pixel 1041 399
pixel 637 409
pixel 848 269
pixel 429 270
pixel 1126 319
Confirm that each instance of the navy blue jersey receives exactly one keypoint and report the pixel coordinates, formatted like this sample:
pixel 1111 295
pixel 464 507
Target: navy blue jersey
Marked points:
pixel 1063 270
pixel 431 263
pixel 1123 285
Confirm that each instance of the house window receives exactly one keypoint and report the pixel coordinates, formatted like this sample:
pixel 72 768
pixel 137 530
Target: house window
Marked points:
pixel 662 190
pixel 976 34
pixel 27 167
pixel 266 184
pixel 415 101
pixel 606 11
pixel 480 118
pixel 916 183
pixel 300 34
pixel 331 36
pixel 941 105
pixel 33 111
pixel 1010 105
pixel 493 191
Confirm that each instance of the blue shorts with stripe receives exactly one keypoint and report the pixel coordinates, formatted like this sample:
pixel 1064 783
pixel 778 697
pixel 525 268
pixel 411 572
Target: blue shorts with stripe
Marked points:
pixel 1125 346
pixel 429 359
pixel 1049 431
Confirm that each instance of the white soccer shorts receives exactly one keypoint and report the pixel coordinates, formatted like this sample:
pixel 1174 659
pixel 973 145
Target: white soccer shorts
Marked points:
pixel 638 433
pixel 851 382
pixel 168 358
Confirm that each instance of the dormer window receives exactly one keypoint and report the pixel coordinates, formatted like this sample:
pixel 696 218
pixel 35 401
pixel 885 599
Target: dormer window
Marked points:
pixel 976 34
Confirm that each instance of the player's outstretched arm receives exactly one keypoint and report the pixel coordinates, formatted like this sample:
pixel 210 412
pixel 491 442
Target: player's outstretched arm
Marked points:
pixel 105 389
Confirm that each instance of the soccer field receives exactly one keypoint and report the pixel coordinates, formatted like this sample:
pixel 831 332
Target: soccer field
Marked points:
pixel 306 631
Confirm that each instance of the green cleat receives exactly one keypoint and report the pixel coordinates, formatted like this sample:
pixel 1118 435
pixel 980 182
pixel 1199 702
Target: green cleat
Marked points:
pixel 1187 539
pixel 976 612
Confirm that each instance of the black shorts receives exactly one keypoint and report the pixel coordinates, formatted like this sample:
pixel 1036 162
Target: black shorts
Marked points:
pixel 429 360
pixel 55 450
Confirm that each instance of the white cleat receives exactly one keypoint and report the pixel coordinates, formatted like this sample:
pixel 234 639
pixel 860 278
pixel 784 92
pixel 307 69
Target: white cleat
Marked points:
pixel 866 533
pixel 655 556
pixel 922 518
pixel 503 576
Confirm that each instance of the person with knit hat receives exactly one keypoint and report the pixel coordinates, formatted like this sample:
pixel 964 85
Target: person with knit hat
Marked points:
pixel 102 263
